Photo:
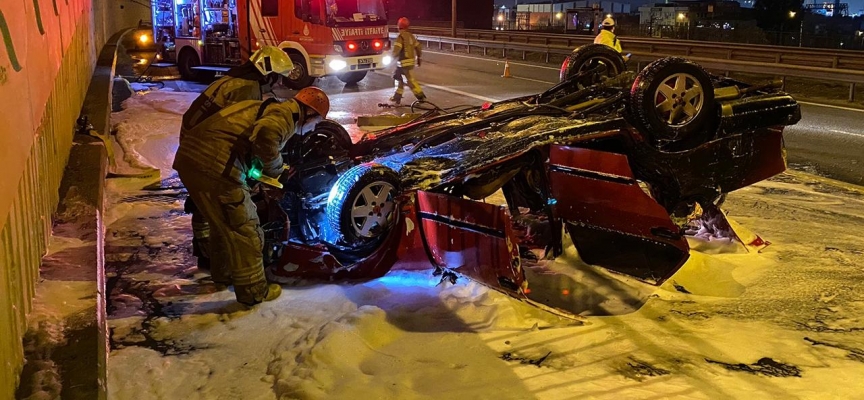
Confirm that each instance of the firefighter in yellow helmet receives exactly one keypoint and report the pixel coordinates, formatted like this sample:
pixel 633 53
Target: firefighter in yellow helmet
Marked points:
pixel 607 35
pixel 245 82
pixel 405 50
pixel 214 160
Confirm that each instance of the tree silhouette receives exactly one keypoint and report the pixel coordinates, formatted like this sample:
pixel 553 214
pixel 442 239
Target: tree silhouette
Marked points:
pixel 774 14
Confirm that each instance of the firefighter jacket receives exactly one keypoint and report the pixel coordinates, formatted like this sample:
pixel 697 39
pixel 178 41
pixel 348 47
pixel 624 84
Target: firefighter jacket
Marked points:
pixel 220 94
pixel 608 38
pixel 406 49
pixel 223 145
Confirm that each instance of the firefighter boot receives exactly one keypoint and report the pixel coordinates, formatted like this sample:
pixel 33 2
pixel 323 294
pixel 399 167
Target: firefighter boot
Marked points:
pixel 396 99
pixel 249 296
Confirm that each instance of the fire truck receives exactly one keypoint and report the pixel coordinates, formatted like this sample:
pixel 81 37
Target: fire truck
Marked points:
pixel 345 38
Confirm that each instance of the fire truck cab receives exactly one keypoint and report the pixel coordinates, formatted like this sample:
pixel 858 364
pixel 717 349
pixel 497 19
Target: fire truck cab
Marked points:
pixel 345 38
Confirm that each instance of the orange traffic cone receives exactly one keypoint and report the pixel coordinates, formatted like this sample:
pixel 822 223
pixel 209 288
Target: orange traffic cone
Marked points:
pixel 506 69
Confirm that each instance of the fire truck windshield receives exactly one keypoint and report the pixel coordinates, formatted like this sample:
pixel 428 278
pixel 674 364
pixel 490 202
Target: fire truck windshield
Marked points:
pixel 348 11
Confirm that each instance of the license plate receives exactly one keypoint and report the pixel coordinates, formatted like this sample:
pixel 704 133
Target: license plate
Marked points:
pixel 364 61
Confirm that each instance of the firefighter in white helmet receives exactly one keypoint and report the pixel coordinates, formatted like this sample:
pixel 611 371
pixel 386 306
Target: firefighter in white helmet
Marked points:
pixel 248 81
pixel 607 35
pixel 214 160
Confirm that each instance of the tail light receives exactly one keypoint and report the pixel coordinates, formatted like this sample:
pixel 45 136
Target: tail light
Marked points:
pixel 563 73
pixel 352 46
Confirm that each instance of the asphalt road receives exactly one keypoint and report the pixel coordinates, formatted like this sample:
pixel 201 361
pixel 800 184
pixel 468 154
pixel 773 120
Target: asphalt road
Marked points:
pixel 829 140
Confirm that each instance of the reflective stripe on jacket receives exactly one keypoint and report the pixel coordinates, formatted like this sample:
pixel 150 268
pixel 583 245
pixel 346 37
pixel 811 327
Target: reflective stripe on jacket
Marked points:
pixel 220 94
pixel 406 49
pixel 608 38
pixel 222 146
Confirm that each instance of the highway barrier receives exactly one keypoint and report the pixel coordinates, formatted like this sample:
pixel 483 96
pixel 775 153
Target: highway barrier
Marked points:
pixel 843 66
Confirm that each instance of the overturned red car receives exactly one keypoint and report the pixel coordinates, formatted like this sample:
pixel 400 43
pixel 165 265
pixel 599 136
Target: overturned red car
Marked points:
pixel 610 158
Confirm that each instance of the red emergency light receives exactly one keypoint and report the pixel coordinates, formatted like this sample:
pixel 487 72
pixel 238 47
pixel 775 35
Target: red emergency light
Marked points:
pixel 352 46
pixel 377 44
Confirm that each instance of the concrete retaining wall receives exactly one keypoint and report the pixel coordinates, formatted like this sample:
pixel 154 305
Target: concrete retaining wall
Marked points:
pixel 47 57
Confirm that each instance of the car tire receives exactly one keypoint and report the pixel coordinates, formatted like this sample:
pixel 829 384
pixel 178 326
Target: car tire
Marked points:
pixel 589 56
pixel 329 139
pixel 299 78
pixel 185 63
pixel 367 188
pixel 672 104
pixel 351 78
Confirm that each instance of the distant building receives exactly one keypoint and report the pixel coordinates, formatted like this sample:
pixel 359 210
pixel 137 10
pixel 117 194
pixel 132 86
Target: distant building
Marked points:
pixel 582 15
pixel 664 14
pixel 827 8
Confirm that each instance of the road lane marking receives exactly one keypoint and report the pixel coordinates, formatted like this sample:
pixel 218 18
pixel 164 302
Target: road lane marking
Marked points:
pixel 534 80
pixel 813 128
pixel 831 106
pixel 558 69
pixel 461 93
pixel 454 91
pixel 492 59
pixel 845 132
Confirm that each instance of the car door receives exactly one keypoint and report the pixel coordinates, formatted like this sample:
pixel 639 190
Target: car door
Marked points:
pixel 471 238
pixel 613 222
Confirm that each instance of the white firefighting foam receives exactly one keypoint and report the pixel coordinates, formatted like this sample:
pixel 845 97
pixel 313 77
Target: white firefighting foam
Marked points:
pixel 403 337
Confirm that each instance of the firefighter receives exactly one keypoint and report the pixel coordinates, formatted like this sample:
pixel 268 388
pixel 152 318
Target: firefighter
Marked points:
pixel 405 50
pixel 245 82
pixel 214 160
pixel 607 36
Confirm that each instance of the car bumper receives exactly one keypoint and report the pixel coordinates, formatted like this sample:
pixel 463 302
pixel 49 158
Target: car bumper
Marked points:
pixel 335 65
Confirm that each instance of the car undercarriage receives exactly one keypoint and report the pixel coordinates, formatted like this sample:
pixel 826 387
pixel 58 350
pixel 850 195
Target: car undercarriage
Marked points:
pixel 615 159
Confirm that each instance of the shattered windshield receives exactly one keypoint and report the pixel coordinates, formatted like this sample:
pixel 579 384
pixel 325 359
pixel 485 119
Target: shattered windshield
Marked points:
pixel 355 10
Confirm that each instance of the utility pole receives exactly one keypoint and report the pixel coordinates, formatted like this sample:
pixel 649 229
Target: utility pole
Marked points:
pixel 453 18
pixel 801 33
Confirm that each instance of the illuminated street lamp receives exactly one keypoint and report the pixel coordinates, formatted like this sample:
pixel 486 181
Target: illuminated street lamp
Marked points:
pixel 681 16
pixel 800 28
pixel 559 15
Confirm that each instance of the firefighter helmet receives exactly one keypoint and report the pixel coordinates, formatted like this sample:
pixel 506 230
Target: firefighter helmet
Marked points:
pixel 608 22
pixel 403 23
pixel 315 99
pixel 272 60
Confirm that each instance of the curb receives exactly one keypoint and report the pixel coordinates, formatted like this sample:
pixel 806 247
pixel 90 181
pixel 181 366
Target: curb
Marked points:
pixel 79 356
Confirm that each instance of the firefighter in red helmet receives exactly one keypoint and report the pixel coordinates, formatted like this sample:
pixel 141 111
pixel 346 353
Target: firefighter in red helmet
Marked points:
pixel 213 161
pixel 406 52
pixel 248 81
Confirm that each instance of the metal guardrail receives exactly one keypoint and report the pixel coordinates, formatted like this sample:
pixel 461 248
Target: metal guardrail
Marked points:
pixel 819 64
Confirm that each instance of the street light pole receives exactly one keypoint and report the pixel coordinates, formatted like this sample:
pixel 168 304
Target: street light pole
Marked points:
pixel 801 33
pixel 453 18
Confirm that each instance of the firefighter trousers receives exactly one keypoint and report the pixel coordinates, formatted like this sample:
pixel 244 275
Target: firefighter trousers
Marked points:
pixel 236 238
pixel 407 73
pixel 201 241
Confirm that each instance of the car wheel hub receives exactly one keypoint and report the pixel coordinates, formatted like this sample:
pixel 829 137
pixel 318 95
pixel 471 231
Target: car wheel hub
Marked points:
pixel 679 99
pixel 372 209
pixel 295 73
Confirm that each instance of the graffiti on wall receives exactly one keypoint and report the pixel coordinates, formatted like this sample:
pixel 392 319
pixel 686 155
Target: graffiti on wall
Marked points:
pixel 10 48
pixel 9 44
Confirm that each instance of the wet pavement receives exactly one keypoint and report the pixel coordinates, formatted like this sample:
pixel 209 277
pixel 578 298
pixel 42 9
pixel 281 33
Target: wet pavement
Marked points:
pixel 780 324
pixel 827 141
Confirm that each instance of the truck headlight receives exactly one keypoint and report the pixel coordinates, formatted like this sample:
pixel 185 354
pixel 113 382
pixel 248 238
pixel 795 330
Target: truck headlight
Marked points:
pixel 387 60
pixel 338 65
